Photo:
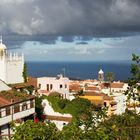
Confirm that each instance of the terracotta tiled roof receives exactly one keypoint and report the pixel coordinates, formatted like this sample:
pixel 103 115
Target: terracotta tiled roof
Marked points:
pixel 92 88
pixel 117 85
pixel 104 85
pixel 32 81
pixel 9 97
pixel 75 88
pixel 113 85
pixel 4 101
pixel 58 118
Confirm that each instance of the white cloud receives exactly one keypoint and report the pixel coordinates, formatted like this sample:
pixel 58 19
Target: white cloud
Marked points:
pixel 36 23
pixel 79 50
pixel 20 28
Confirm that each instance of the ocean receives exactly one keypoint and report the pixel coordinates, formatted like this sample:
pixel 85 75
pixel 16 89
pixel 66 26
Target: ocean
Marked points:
pixel 79 70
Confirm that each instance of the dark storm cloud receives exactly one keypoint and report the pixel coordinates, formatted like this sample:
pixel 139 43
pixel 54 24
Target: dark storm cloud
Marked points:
pixel 91 18
pixel 16 41
pixel 81 43
pixel 67 38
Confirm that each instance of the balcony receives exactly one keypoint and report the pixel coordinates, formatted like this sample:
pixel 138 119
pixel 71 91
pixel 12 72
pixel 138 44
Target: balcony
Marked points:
pixel 16 111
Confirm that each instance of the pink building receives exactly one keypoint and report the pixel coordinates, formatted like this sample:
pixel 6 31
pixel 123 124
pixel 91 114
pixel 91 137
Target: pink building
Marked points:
pixel 47 85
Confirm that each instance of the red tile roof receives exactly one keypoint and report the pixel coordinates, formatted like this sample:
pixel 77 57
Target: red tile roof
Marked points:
pixel 32 81
pixel 113 85
pixel 9 97
pixel 117 85
pixel 92 88
pixel 75 87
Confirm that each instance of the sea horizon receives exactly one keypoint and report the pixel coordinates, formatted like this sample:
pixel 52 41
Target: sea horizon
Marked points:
pixel 79 69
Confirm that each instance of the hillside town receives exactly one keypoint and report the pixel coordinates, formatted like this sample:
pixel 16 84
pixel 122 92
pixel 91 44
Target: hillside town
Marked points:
pixel 18 92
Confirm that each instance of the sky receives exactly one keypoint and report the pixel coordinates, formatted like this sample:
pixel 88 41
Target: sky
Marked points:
pixel 71 30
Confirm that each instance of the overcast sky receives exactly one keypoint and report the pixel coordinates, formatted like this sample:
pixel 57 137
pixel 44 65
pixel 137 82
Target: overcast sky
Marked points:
pixel 71 30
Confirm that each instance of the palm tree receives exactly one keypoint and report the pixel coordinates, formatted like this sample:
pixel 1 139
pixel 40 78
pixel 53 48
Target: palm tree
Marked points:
pixel 110 77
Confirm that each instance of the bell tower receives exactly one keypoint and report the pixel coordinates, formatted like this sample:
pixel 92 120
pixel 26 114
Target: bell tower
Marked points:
pixel 2 48
pixel 2 60
pixel 101 75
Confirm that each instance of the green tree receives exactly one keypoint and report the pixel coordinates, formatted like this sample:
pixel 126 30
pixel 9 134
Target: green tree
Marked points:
pixel 35 131
pixel 122 127
pixel 71 132
pixel 110 77
pixel 24 73
pixel 134 87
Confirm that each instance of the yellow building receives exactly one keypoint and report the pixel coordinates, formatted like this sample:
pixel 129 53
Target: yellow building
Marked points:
pixel 101 99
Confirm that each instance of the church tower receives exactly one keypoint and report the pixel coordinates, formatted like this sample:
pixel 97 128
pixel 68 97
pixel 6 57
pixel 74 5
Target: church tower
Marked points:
pixel 11 66
pixel 101 75
pixel 3 50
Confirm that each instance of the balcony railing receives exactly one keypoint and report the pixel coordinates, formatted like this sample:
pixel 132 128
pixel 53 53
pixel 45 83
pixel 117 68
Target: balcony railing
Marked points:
pixel 12 109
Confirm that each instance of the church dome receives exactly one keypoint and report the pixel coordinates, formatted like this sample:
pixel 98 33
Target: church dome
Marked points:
pixel 2 46
pixel 101 71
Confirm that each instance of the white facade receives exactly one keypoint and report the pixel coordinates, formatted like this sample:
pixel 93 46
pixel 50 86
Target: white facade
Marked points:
pixel 11 66
pixel 50 84
pixel 9 114
pixel 115 89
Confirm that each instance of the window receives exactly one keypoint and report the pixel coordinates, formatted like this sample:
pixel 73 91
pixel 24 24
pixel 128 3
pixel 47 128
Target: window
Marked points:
pixel 65 86
pixel 16 108
pixel 24 106
pixel 31 104
pixel 47 87
pixel 51 86
pixel 39 85
pixel 8 111
pixel 0 113
pixel 105 104
pixel 61 86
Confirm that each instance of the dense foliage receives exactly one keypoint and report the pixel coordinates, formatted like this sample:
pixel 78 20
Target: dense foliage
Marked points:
pixel 35 131
pixel 134 86
pixel 121 127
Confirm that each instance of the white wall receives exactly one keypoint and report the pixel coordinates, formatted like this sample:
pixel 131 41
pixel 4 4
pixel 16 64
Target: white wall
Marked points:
pixel 22 114
pixel 11 68
pixel 3 86
pixel 14 71
pixel 55 82
pixel 2 69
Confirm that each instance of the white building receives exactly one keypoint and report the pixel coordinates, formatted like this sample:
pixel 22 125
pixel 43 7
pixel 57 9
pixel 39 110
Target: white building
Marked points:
pixel 14 107
pixel 116 88
pixel 47 85
pixel 4 86
pixel 11 66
